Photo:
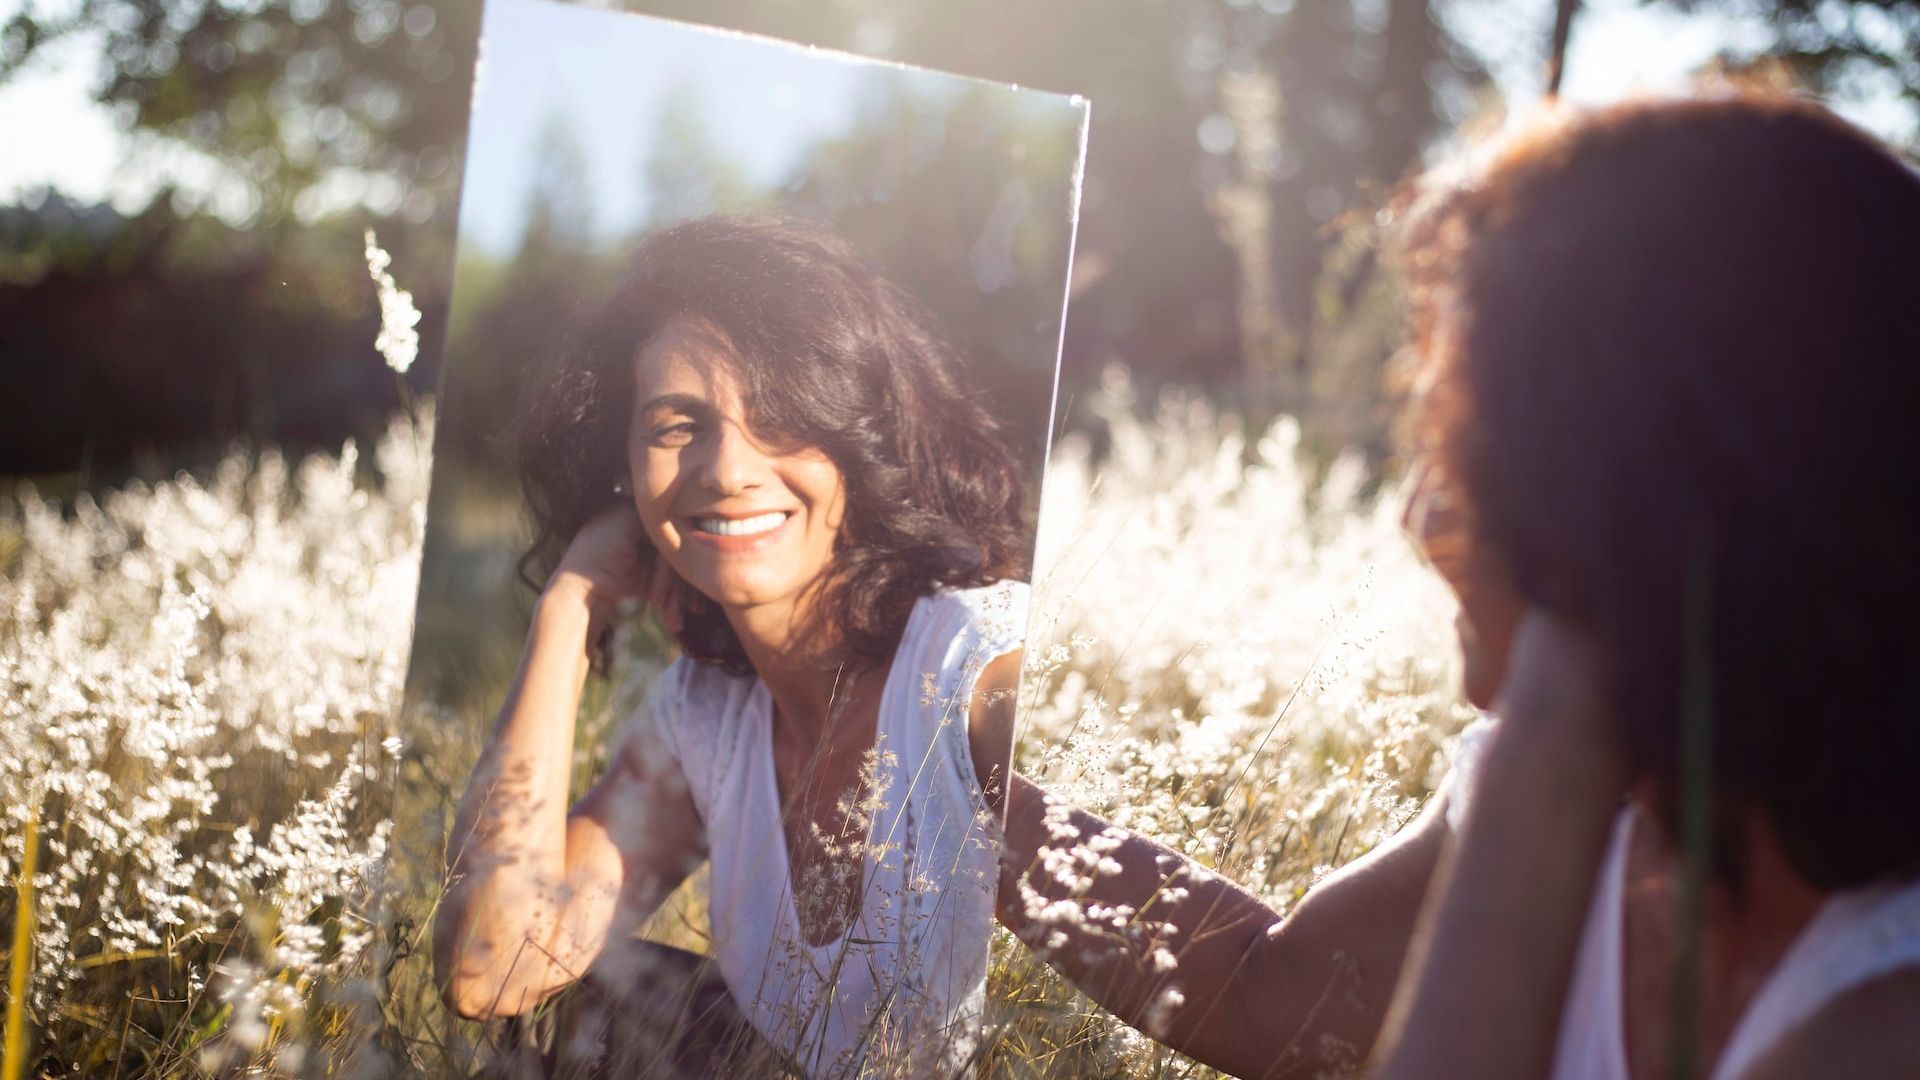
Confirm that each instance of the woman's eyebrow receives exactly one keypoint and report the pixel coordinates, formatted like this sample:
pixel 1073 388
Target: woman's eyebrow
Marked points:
pixel 681 403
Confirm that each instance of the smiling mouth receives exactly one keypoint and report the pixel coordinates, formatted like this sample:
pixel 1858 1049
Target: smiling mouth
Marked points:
pixel 746 526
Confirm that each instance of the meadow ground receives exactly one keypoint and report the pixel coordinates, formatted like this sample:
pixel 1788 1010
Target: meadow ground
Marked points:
pixel 208 789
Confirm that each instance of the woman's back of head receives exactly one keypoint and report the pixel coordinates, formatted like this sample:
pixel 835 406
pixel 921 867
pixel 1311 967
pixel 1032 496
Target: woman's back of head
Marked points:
pixel 1672 362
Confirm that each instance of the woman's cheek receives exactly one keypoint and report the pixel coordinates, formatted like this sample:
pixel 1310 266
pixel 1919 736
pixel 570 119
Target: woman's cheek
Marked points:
pixel 652 492
pixel 837 509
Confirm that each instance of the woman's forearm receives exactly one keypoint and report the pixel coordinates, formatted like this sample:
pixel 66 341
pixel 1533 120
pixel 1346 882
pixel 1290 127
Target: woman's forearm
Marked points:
pixel 1211 970
pixel 1098 926
pixel 507 855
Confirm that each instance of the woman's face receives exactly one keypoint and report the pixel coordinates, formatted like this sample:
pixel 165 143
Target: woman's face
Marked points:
pixel 743 522
pixel 1490 607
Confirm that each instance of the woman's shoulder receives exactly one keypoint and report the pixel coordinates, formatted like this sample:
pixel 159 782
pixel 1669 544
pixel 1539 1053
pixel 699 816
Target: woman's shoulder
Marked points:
pixel 952 641
pixel 697 710
pixel 688 682
pixel 952 637
pixel 1867 1031
pixel 1842 1000
pixel 992 616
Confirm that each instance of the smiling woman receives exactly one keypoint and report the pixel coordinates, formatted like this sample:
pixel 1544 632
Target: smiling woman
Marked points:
pixel 767 443
pixel 747 526
pixel 811 352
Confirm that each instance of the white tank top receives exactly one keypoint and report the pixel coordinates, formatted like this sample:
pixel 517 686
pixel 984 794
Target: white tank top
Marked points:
pixel 1856 936
pixel 908 975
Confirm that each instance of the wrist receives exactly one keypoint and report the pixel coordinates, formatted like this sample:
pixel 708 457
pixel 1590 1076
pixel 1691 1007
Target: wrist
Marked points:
pixel 567 598
pixel 1571 767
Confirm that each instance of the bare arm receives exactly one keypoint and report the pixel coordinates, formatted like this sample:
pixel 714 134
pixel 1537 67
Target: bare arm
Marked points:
pixel 1247 993
pixel 535 891
pixel 1510 902
pixel 990 719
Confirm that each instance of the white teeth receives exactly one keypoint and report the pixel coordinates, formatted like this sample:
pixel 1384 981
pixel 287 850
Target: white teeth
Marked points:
pixel 758 523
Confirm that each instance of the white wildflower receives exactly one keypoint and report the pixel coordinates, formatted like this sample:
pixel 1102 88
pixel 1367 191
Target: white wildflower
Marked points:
pixel 399 341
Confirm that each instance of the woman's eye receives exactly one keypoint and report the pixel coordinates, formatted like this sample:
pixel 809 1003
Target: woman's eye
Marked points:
pixel 675 434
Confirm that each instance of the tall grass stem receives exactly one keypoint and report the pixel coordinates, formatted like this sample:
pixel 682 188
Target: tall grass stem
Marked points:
pixel 20 960
pixel 1696 809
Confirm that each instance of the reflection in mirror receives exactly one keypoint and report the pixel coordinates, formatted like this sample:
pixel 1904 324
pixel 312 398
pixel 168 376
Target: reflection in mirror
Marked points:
pixel 748 383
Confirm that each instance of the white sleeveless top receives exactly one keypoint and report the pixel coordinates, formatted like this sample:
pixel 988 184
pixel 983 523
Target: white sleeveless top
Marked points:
pixel 908 975
pixel 1856 936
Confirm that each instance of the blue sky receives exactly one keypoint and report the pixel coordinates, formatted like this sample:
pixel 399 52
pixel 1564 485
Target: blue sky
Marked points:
pixel 606 77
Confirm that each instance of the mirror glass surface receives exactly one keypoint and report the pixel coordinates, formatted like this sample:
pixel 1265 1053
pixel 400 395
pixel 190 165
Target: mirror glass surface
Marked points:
pixel 778 330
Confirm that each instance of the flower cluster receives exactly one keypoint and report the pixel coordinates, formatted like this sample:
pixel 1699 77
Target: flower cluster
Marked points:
pixel 399 340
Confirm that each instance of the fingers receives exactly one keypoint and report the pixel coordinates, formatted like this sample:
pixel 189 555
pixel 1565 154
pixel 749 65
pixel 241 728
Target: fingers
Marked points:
pixel 1554 672
pixel 617 546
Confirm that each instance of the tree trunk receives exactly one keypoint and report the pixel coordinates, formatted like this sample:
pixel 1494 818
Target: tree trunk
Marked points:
pixel 1563 12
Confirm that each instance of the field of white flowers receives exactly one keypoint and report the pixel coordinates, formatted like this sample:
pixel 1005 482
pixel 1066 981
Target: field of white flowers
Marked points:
pixel 198 682
pixel 1233 652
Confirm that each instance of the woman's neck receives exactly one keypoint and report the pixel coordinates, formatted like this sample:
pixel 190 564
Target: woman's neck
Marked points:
pixel 1771 900
pixel 809 684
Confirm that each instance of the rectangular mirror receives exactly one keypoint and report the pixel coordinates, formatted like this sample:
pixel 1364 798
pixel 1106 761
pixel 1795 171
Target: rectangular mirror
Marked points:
pixel 749 374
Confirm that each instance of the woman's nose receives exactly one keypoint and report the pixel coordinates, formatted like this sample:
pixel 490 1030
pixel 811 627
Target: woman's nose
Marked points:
pixel 734 463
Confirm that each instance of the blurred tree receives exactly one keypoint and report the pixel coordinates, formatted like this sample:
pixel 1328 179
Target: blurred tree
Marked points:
pixel 1237 149
pixel 685 174
pixel 917 173
pixel 313 105
pixel 1838 47
pixel 509 314
pixel 1154 280
pixel 1190 191
pixel 185 328
pixel 559 199
pixel 118 356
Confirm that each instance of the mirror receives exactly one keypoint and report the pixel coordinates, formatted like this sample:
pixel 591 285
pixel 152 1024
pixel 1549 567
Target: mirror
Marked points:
pixel 745 406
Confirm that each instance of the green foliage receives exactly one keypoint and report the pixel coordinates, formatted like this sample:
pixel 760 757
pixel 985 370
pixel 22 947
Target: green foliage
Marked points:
pixel 287 95
pixel 1841 48
pixel 326 111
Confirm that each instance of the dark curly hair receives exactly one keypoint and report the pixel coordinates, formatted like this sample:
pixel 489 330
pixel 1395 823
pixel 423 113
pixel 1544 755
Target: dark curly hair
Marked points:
pixel 831 355
pixel 1674 345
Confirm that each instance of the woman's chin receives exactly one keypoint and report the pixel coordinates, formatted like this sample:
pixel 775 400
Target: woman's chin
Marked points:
pixel 741 593
pixel 724 585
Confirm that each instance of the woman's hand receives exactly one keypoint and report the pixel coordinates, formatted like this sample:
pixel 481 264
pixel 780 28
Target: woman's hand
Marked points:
pixel 611 562
pixel 1553 701
pixel 1554 668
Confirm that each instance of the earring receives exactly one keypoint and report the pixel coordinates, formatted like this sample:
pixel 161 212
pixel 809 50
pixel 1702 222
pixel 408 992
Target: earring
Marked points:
pixel 619 487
